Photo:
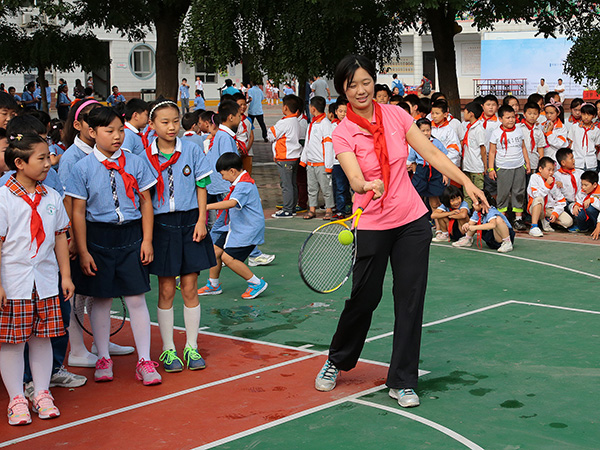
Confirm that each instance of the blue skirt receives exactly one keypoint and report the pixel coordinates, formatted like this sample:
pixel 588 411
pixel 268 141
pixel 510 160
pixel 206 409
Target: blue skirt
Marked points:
pixel 116 252
pixel 175 252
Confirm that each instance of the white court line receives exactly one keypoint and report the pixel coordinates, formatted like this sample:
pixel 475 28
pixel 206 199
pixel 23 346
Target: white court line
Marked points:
pixel 564 308
pixel 151 402
pixel 436 426
pixel 447 319
pixel 520 258
pixel 283 420
pixel 552 240
pixel 288 229
pixel 305 346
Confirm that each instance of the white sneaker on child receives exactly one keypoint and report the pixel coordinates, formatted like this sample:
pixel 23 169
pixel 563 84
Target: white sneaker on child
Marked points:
pixel 546 226
pixel 505 247
pixel 464 241
pixel 440 236
pixel 536 232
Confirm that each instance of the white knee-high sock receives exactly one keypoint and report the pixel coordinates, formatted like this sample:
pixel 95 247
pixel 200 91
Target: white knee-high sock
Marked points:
pixel 140 324
pixel 12 367
pixel 78 347
pixel 40 361
pixel 165 322
pixel 191 318
pixel 100 319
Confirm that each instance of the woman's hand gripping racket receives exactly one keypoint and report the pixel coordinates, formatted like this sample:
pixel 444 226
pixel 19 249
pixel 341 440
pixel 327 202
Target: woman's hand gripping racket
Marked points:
pixel 327 255
pixel 82 309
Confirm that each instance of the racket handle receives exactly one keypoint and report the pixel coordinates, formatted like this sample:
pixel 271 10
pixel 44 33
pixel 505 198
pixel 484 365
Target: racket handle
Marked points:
pixel 366 200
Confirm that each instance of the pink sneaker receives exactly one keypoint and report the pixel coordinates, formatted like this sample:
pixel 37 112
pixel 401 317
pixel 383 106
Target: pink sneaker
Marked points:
pixel 43 404
pixel 146 372
pixel 18 411
pixel 104 370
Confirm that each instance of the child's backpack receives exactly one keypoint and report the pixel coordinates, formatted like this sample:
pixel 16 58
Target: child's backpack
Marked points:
pixel 426 90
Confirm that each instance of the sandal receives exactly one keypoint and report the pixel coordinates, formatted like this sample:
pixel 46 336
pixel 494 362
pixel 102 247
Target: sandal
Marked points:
pixel 309 215
pixel 327 216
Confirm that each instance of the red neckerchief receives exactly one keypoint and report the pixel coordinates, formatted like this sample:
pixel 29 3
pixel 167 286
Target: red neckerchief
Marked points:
pixel 36 226
pixel 241 146
pixel 587 197
pixel 315 119
pixel 487 119
pixel 160 183
pixel 336 120
pixel 131 183
pixel 465 142
pixel 144 136
pixel 245 178
pixel 573 181
pixel 573 120
pixel 530 128
pixel 61 146
pixel 504 137
pixel 479 232
pixel 584 140
pixel 212 141
pixel 441 125
pixel 380 145
pixel 189 133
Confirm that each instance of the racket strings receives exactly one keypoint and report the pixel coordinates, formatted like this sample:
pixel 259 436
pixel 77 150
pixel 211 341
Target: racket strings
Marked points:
pixel 325 263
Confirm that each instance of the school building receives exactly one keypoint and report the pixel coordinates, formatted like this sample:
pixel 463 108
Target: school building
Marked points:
pixel 510 59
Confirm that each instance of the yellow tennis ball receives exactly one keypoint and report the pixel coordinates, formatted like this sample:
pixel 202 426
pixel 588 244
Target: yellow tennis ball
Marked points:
pixel 345 237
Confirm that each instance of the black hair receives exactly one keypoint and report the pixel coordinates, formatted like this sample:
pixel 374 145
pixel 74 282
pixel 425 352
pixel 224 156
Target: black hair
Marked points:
pixel 318 103
pixel 589 109
pixel 228 82
pixel 189 119
pixel 562 154
pixel 535 98
pixel 300 103
pixel 88 92
pixel 8 101
pixel 382 87
pixel 474 108
pixel 436 95
pixel 197 92
pixel 508 98
pixel 227 97
pixel 227 108
pixel 478 99
pixel 102 117
pixel 576 102
pixel 449 193
pixel 166 103
pixel 229 160
pixel 405 106
pixel 505 109
pixel 396 98
pixel 40 115
pixel 115 86
pixel 531 105
pixel 423 121
pixel 20 145
pixel 238 96
pixel 490 199
pixel 544 161
pixel 341 101
pixel 135 105
pixel 30 85
pixel 347 67
pixel 440 104
pixel 291 101
pixel 3 133
pixel 413 99
pixel 591 176
pixel 25 124
pixel 70 131
pixel 424 105
pixel 331 109
pixel 210 116
pixel 490 98
pixel 550 95
pixel 56 125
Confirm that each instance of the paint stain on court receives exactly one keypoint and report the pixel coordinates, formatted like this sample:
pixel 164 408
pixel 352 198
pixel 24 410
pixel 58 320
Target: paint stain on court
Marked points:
pixel 512 404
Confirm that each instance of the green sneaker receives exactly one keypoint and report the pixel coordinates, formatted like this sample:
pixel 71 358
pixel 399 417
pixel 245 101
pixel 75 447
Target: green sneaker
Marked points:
pixel 171 361
pixel 193 359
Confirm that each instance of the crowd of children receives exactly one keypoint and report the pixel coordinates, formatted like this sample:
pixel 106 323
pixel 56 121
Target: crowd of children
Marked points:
pixel 96 203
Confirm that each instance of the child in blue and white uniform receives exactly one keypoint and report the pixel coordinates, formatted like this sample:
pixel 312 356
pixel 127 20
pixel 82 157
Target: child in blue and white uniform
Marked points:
pixel 57 148
pixel 451 215
pixel 493 227
pixel 239 228
pixel 136 119
pixel 112 225
pixel 182 246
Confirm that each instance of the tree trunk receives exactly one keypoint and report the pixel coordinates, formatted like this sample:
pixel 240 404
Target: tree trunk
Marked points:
pixel 42 80
pixel 168 25
pixel 441 22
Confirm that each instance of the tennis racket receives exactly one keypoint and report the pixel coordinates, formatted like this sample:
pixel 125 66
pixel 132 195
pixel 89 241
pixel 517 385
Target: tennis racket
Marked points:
pixel 324 262
pixel 82 308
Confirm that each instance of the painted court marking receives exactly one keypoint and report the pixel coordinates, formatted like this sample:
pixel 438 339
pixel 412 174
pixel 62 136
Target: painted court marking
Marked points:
pixel 436 426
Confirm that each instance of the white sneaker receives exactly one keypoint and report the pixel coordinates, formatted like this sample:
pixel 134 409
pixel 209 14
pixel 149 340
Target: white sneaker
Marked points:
pixel 88 360
pixel 407 398
pixel 546 226
pixel 115 349
pixel 327 377
pixel 261 260
pixel 65 379
pixel 505 247
pixel 536 232
pixel 441 237
pixel 464 241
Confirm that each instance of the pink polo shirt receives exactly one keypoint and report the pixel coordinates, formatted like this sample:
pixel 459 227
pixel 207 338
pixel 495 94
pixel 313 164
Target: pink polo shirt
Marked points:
pixel 402 204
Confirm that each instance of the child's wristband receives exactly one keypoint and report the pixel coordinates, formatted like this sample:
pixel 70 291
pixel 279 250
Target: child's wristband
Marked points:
pixel 491 169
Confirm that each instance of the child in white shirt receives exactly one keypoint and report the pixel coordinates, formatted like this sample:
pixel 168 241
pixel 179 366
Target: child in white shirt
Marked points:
pixel 584 139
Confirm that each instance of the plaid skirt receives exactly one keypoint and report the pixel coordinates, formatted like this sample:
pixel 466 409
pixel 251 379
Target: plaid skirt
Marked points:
pixel 22 318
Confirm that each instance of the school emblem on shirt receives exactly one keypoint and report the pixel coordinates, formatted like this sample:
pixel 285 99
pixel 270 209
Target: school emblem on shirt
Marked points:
pixel 187 170
pixel 51 209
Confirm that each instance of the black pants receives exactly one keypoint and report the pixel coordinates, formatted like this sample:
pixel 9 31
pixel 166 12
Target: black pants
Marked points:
pixel 261 122
pixel 407 247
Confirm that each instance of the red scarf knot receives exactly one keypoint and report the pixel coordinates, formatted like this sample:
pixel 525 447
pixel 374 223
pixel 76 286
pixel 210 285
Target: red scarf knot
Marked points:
pixel 160 183
pixel 245 178
pixel 129 180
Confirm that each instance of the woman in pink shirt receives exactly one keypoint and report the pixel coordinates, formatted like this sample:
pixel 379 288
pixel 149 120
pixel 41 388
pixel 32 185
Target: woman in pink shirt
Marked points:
pixel 371 144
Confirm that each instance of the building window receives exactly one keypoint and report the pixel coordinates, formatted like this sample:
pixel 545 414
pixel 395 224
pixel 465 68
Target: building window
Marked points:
pixel 206 70
pixel 142 61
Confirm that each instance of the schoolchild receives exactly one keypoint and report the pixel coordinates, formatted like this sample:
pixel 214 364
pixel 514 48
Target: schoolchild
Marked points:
pixel 244 134
pixel 584 139
pixel 57 147
pixel 534 138
pixel 513 102
pixel 589 207
pixel 554 130
pixel 136 119
pixel 8 108
pixel 575 116
pixel 33 248
pixel 184 96
pixel 568 180
pixel 181 244
pixel 451 215
pixel 191 124
pixel 199 103
pixel 115 97
pixel 474 156
pixel 208 124
pixel 112 221
pixel 441 130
